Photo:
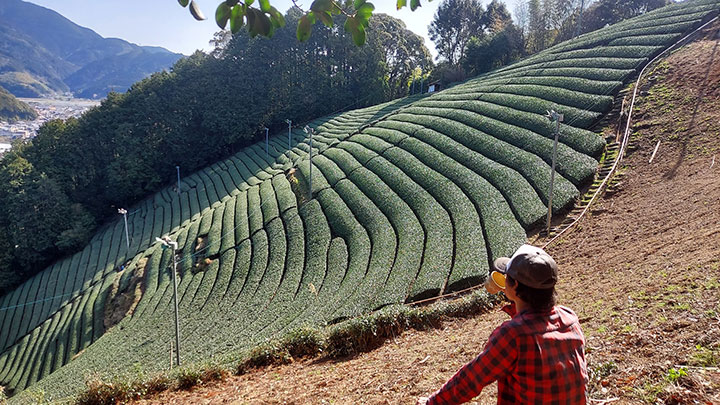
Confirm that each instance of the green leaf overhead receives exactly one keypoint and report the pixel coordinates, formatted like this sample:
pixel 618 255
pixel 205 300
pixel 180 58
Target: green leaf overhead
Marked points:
pixel 277 18
pixel 325 17
pixel 364 12
pixel 322 10
pixel 321 5
pixel 237 18
pixel 304 28
pixel 265 6
pixel 356 28
pixel 414 4
pixel 264 25
pixel 222 15
pixel 259 23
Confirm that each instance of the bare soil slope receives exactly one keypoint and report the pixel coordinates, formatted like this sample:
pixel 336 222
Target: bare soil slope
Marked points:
pixel 642 271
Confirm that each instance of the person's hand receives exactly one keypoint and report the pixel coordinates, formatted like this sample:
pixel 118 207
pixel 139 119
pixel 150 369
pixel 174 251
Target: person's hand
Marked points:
pixel 491 287
pixel 422 401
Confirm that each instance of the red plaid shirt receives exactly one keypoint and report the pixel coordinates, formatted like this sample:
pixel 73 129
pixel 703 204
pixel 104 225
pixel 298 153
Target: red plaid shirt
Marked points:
pixel 536 358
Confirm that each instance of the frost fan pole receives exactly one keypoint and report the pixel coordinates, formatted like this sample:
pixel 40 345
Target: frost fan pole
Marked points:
pixel 553 116
pixel 123 212
pixel 168 243
pixel 177 168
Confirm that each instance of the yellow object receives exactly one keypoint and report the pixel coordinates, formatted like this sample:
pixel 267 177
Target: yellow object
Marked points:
pixel 499 279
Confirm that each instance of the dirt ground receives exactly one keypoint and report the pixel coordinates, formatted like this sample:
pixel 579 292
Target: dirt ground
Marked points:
pixel 642 271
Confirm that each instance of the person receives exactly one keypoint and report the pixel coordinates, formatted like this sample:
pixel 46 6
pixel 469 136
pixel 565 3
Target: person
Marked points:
pixel 537 357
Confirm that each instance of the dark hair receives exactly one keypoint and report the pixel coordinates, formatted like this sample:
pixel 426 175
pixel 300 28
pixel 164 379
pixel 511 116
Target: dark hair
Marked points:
pixel 536 298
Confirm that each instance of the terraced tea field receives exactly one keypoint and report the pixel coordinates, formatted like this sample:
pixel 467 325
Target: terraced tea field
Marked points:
pixel 409 199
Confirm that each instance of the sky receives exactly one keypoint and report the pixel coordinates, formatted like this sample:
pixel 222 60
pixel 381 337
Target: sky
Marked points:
pixel 165 23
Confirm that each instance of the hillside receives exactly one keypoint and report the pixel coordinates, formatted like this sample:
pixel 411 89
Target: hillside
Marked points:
pixel 44 52
pixel 12 109
pixel 641 271
pixel 408 200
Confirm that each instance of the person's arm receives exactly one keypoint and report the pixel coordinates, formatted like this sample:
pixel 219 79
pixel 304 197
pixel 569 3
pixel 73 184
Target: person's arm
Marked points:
pixel 496 361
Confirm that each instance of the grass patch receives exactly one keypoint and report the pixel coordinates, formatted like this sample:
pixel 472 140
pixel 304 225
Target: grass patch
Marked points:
pixel 100 392
pixel 599 372
pixel 650 392
pixel 705 357
pixel 676 374
pixel 712 283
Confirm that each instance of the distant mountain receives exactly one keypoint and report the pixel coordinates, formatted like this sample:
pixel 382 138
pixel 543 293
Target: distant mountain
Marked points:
pixel 12 109
pixel 43 52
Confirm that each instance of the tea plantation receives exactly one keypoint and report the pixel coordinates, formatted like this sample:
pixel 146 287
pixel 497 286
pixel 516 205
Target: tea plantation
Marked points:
pixel 409 199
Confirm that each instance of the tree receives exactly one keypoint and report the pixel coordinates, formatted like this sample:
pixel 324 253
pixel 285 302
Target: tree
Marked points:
pixel 496 17
pixel 403 51
pixel 455 22
pixel 537 27
pixel 36 212
pixel 493 51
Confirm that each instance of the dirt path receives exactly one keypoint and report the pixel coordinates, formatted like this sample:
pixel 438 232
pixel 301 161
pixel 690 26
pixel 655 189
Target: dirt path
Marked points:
pixel 643 273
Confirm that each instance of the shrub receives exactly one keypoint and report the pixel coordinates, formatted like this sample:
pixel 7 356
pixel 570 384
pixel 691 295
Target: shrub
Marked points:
pixel 242 226
pixel 382 253
pixel 525 203
pixel 215 235
pixel 530 166
pixel 254 214
pixel 598 63
pixel 409 232
pixel 269 207
pixel 437 251
pixel 561 96
pixel 303 341
pixel 527 132
pixel 227 240
pixel 644 40
pixel 98 392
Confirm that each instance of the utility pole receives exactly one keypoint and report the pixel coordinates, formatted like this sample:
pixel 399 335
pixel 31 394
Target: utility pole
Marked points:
pixel 123 212
pixel 266 141
pixel 289 122
pixel 579 23
pixel 177 168
pixel 553 116
pixel 168 243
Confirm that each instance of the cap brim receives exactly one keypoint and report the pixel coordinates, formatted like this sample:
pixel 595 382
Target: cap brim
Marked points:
pixel 500 264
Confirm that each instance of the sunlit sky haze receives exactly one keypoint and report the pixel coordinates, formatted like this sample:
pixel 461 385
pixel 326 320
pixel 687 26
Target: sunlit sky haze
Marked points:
pixel 164 23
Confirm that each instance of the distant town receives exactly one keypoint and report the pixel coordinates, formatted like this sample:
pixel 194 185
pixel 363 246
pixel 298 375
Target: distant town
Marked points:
pixel 47 109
